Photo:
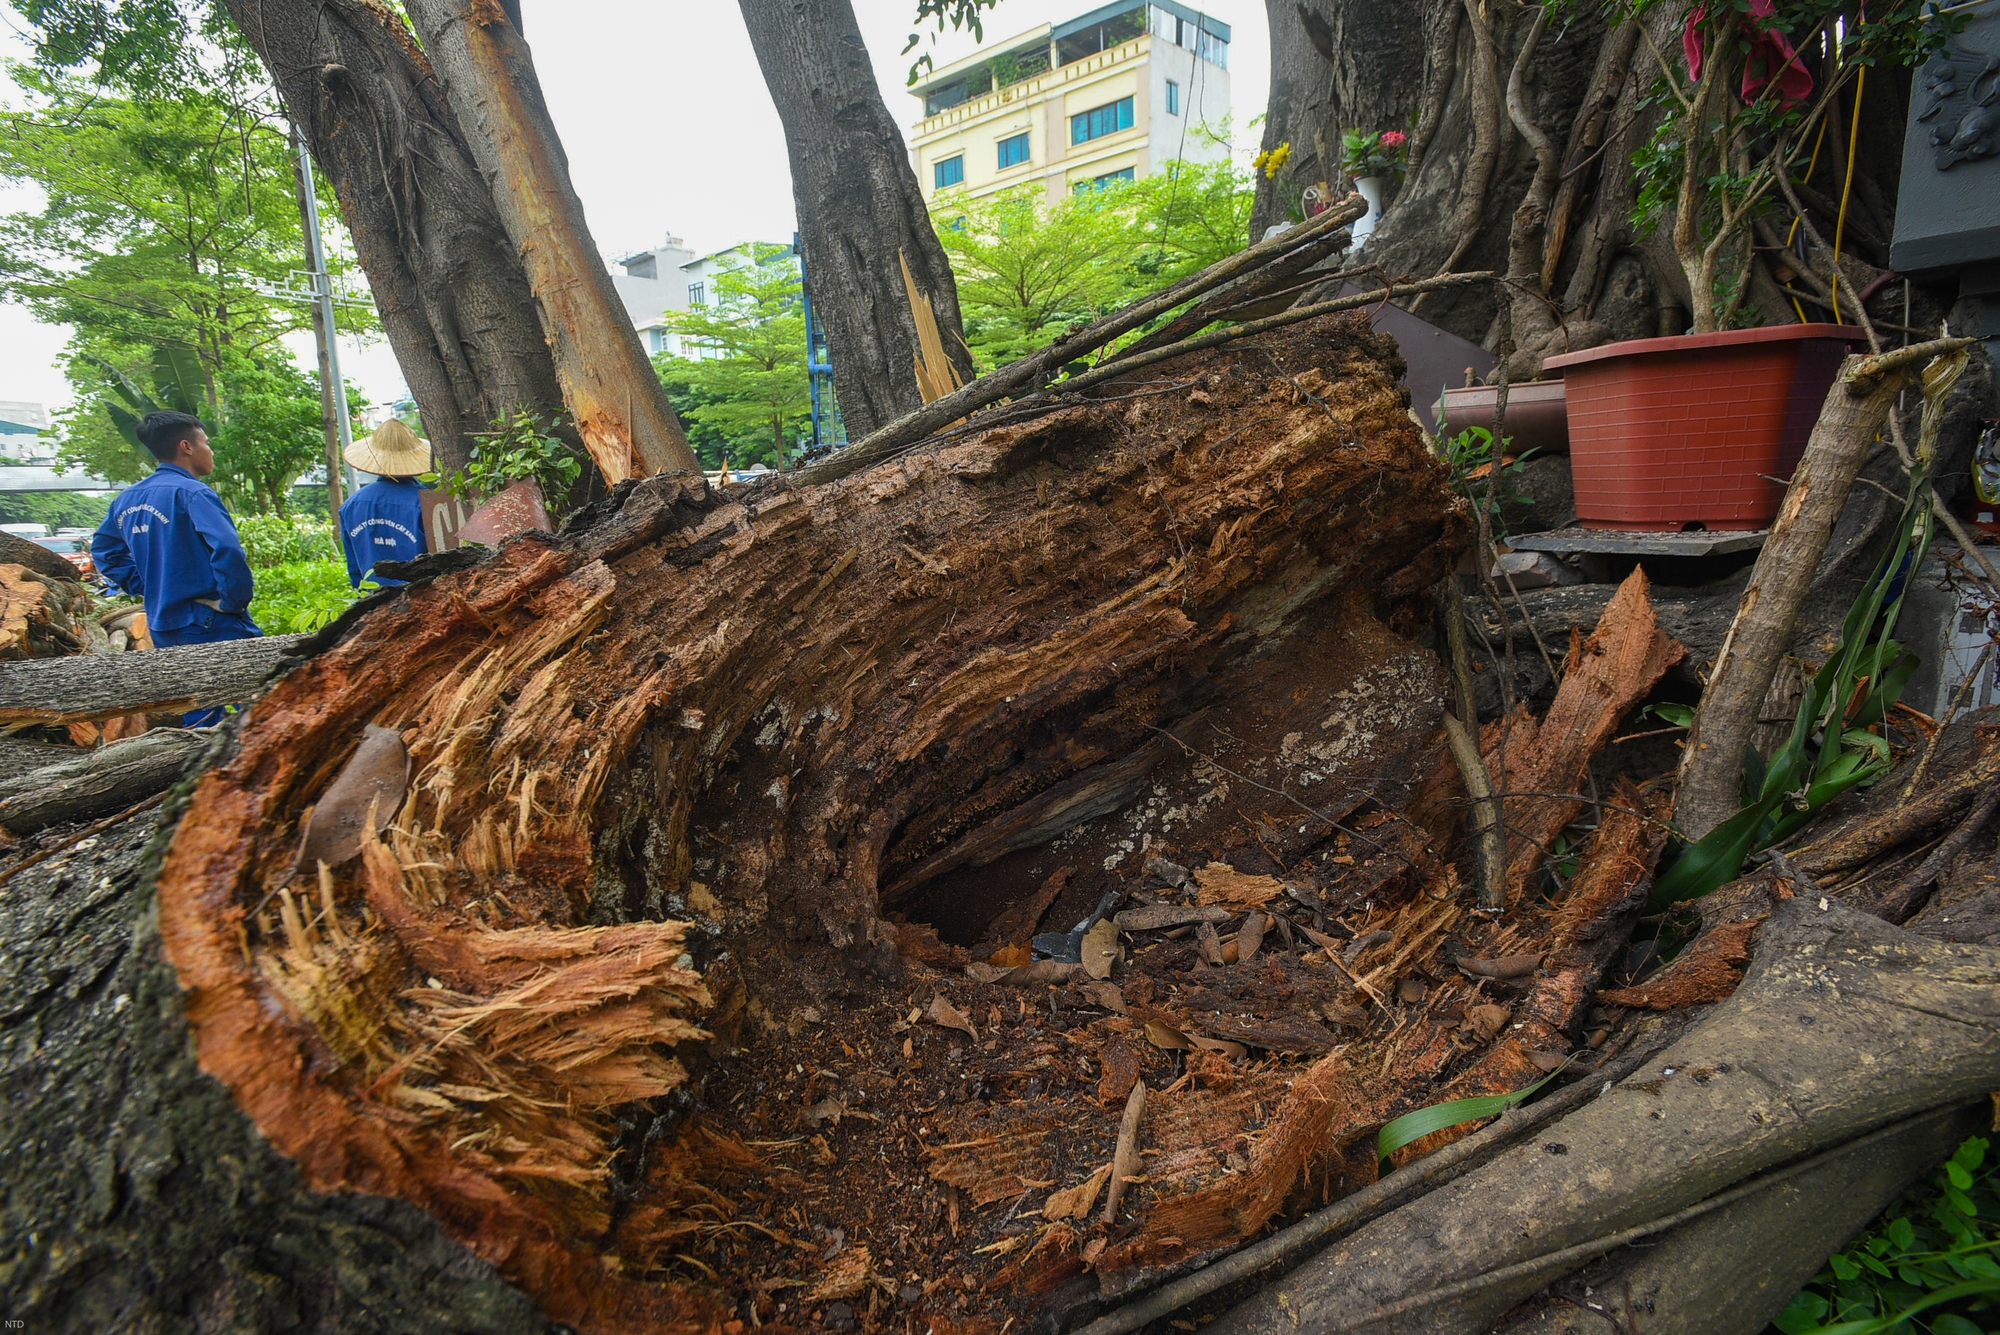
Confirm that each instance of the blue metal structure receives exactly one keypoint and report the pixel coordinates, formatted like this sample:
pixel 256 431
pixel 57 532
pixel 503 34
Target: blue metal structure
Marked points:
pixel 829 432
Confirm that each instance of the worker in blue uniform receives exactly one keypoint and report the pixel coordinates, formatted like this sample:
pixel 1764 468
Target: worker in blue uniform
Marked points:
pixel 170 540
pixel 384 521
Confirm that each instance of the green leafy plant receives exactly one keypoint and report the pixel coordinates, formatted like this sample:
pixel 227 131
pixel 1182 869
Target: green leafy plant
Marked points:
pixel 276 540
pixel 1471 458
pixel 1414 1126
pixel 518 449
pixel 1381 153
pixel 301 596
pixel 1934 1250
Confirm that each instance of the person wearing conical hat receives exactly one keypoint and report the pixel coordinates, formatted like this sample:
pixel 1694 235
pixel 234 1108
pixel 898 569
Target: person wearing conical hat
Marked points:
pixel 384 521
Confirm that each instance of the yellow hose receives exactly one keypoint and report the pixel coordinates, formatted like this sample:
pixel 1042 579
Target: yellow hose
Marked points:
pixel 1793 235
pixel 1840 223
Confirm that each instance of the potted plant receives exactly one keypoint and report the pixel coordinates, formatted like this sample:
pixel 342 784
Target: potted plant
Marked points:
pixel 1689 431
pixel 1373 160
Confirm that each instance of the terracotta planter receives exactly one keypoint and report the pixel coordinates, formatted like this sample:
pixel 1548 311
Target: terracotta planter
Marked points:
pixel 1537 416
pixel 1675 433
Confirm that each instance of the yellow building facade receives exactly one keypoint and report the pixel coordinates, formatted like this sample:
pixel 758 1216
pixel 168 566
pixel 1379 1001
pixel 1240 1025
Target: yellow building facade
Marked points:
pixel 1110 95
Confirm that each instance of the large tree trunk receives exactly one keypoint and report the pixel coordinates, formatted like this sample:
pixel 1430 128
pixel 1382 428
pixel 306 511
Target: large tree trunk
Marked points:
pixel 447 282
pixel 614 397
pixel 858 206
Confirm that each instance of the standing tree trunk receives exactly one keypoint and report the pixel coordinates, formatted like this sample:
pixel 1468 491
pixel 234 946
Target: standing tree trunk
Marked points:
pixel 858 205
pixel 452 295
pixel 613 394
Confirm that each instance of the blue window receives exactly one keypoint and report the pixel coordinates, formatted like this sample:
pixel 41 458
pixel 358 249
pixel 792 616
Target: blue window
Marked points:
pixel 1103 182
pixel 949 172
pixel 1100 121
pixel 1014 151
pixel 697 294
pixel 1173 98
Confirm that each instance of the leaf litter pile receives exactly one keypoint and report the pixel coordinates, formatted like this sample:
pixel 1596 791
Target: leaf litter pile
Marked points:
pixel 941 896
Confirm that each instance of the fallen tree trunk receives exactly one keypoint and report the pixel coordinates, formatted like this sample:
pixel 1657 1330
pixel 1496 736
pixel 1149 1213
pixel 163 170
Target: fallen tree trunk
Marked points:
pixel 659 771
pixel 100 781
pixel 176 680
pixel 1728 1272
pixel 1769 1078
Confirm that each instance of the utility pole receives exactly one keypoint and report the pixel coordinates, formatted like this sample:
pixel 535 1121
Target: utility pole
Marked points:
pixel 333 389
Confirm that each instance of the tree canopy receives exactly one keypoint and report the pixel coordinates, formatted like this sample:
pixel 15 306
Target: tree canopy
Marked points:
pixel 744 389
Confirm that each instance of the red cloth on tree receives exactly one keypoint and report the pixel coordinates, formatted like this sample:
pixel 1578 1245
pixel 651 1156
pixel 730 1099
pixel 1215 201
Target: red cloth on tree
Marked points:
pixel 1771 56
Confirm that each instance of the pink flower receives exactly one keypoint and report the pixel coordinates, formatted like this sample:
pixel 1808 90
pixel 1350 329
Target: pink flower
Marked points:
pixel 1394 139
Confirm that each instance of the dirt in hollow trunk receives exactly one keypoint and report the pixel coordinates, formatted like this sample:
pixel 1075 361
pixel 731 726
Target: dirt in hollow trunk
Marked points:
pixel 677 985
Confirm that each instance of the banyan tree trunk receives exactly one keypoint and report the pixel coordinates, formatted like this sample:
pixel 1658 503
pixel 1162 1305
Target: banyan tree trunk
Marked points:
pixel 454 299
pixel 640 792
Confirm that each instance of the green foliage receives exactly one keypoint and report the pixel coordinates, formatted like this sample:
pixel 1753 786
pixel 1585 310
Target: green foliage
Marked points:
pixel 170 197
pixel 302 596
pixel 518 449
pixel 1380 153
pixel 961 14
pixel 1027 270
pixel 62 509
pixel 749 387
pixel 1933 1250
pixel 277 540
pixel 1411 1127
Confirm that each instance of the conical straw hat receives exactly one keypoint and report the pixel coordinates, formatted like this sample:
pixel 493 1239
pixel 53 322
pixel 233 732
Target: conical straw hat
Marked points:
pixel 393 451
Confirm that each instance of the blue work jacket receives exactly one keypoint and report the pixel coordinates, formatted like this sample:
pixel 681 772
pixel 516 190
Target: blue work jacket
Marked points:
pixel 384 521
pixel 170 540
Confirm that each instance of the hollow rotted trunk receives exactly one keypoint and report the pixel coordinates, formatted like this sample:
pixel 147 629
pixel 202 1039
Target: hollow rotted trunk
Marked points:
pixel 453 297
pixel 858 205
pixel 660 775
pixel 615 399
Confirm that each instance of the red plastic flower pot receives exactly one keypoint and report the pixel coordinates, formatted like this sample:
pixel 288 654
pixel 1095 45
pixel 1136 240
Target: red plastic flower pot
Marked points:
pixel 1674 433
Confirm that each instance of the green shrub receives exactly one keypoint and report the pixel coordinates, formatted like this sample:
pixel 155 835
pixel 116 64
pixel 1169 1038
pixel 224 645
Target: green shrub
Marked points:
pixel 276 540
pixel 1928 1266
pixel 300 596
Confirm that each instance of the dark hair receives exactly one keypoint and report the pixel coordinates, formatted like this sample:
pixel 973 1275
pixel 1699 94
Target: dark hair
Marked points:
pixel 163 432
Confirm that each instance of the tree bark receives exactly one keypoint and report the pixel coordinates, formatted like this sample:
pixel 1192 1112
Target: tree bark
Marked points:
pixel 614 397
pixel 1856 407
pixel 858 206
pixel 99 781
pixel 101 686
pixel 453 298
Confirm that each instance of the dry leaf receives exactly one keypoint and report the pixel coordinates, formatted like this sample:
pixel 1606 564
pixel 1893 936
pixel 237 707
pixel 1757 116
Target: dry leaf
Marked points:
pixel 1210 943
pixel 1220 883
pixel 947 1016
pixel 1156 916
pixel 1411 990
pixel 1075 1202
pixel 1108 996
pixel 1041 971
pixel 1250 937
pixel 1165 1036
pixel 1507 966
pixel 1100 949
pixel 1010 957
pixel 1488 1020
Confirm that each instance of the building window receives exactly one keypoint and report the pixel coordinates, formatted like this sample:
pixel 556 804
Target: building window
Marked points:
pixel 697 294
pixel 1103 182
pixel 1100 121
pixel 1173 98
pixel 1014 151
pixel 656 340
pixel 949 172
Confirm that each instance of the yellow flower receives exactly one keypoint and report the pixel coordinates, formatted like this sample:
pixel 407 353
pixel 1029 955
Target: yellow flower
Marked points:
pixel 1274 161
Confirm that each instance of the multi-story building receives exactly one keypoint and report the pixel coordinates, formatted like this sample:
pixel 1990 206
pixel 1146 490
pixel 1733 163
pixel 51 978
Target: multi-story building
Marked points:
pixel 671 277
pixel 1108 96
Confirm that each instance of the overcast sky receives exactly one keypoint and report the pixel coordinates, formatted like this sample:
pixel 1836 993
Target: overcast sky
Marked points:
pixel 668 127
